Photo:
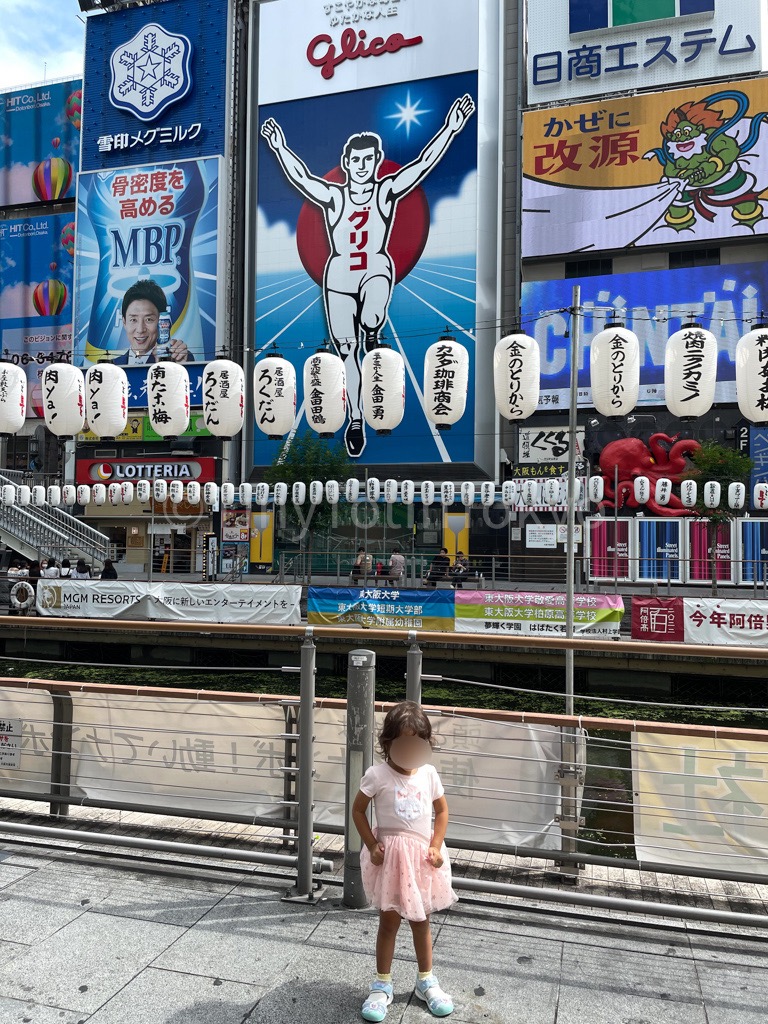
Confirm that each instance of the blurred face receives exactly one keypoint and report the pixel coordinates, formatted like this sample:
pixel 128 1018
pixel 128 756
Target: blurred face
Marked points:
pixel 140 322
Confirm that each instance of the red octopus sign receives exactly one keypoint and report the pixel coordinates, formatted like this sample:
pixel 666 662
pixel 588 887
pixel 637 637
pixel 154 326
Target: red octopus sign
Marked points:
pixel 663 456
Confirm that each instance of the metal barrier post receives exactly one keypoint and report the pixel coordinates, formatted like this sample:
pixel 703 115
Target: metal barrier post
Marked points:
pixel 304 890
pixel 414 660
pixel 61 754
pixel 361 694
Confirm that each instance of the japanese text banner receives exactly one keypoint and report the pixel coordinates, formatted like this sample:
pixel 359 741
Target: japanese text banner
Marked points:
pixel 385 608
pixel 700 621
pixel 536 614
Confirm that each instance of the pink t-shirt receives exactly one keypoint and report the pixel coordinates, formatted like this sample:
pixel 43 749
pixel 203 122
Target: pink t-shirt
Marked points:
pixel 403 802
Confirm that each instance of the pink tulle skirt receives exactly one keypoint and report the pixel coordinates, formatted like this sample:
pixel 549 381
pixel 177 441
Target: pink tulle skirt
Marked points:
pixel 406 881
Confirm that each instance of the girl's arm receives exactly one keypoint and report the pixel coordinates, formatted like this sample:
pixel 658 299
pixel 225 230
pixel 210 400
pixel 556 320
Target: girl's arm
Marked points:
pixel 438 832
pixel 360 819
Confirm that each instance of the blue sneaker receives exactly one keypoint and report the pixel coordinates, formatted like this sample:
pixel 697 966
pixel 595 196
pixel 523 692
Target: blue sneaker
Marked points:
pixel 379 998
pixel 440 1003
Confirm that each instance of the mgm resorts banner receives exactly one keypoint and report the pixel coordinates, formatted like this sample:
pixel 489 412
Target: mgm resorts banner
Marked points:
pixel 169 602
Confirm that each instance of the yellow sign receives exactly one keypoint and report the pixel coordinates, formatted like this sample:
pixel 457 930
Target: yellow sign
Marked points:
pixel 134 431
pixel 262 537
pixel 456 533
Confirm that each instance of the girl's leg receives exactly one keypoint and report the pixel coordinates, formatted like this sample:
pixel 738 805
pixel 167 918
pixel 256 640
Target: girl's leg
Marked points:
pixel 389 922
pixel 422 944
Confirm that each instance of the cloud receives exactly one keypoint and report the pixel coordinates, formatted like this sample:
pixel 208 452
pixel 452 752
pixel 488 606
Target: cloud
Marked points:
pixel 453 231
pixel 16 184
pixel 280 242
pixel 16 302
pixel 31 54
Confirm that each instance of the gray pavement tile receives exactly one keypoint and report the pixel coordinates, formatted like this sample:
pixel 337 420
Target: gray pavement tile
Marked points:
pixel 165 997
pixel 619 973
pixel 727 949
pixel 10 950
pixel 165 904
pixel 580 1006
pixel 17 1011
pixel 86 962
pixel 40 904
pixel 356 930
pixel 734 994
pixel 10 873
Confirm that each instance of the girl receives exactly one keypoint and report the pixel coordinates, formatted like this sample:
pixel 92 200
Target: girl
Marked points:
pixel 404 864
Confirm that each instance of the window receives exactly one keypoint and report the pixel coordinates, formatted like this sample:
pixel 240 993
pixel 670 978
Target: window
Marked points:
pixel 694 258
pixel 588 268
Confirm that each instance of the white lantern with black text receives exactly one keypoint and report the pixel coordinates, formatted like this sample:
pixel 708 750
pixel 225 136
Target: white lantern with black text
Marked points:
pixel 752 374
pixel 614 366
pixel 642 489
pixel 427 492
pixel 487 493
pixel 63 387
pixel 383 374
pixel 23 495
pixel 245 494
pixel 53 495
pixel 223 397
pixel 227 495
pixel 530 492
pixel 143 490
pixel 390 491
pixel 689 493
pixel 760 495
pixel 83 495
pixel 325 393
pixel 510 493
pixel 274 396
pixel 737 495
pixel 690 371
pixel 106 399
pixel 467 494
pixel 168 398
pixel 13 398
pixel 281 494
pixel 516 376
pixel 38 495
pixel 8 494
pixel 262 494
pixel 316 492
pixel 550 491
pixel 176 491
pixel 332 492
pixel 447 493
pixel 99 494
pixel 578 491
pixel 298 493
pixel 446 378
pixel 114 495
pixel 211 494
pixel 407 491
pixel 373 488
pixel 663 491
pixel 160 490
pixel 712 492
pixel 126 492
pixel 193 492
pixel 596 489
pixel 352 490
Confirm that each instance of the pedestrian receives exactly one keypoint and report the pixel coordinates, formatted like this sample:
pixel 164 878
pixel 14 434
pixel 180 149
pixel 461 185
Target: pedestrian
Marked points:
pixel 82 571
pixel 460 570
pixel 108 572
pixel 48 569
pixel 34 573
pixel 404 863
pixel 439 569
pixel 363 565
pixel 396 566
pixel 65 572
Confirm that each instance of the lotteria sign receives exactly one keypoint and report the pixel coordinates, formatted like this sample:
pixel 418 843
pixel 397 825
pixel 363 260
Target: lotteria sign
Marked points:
pixel 90 471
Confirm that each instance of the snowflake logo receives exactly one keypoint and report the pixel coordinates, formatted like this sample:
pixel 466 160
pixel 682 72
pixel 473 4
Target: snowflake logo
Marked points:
pixel 150 72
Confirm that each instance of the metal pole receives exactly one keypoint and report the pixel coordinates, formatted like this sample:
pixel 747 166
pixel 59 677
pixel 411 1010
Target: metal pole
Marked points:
pixel 361 692
pixel 414 660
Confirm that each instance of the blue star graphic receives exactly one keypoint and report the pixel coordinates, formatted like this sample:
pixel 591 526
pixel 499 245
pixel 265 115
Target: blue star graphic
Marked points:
pixel 148 67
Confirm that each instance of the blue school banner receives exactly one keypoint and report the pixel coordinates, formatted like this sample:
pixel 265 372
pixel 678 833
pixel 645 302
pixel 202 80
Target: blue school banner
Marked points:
pixel 658 549
pixel 381 607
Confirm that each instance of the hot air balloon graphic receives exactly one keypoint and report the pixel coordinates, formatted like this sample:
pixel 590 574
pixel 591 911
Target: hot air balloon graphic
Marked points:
pixel 49 297
pixel 52 178
pixel 56 142
pixel 74 108
pixel 52 266
pixel 68 238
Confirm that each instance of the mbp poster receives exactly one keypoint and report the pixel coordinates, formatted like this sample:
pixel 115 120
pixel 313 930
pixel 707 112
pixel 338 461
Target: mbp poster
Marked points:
pixel 370 207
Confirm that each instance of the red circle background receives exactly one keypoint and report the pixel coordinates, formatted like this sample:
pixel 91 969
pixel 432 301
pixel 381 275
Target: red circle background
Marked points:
pixel 407 239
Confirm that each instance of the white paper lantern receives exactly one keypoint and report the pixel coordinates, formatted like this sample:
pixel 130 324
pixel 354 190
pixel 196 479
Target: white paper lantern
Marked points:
pixel 690 371
pixel 63 387
pixel 127 492
pixel 298 493
pixel 325 393
pixel 160 490
pixel 352 490
pixel 262 494
pixel 143 490
pixel 316 492
pixel 737 495
pixel 712 492
pixel 13 398
pixel 68 495
pixel 578 490
pixel 427 492
pixel 530 492
pixel 407 492
pixel 516 376
pixel 38 496
pixel 168 398
pixel 596 489
pixel 467 494
pixel 99 494
pixel 487 493
pixel 760 495
pixel 193 492
pixel 223 397
pixel 211 494
pixel 227 495
pixel 84 495
pixel 332 492
pixel 550 492
pixel 106 399
pixel 23 495
pixel 614 366
pixel 390 491
pixel 114 494
pixel 689 493
pixel 383 374
pixel 510 492
pixel 373 488
pixel 281 494
pixel 9 494
pixel 663 491
pixel 447 493
pixel 53 495
pixel 752 374
pixel 274 396
pixel 642 489
pixel 446 378
pixel 176 491
pixel 245 494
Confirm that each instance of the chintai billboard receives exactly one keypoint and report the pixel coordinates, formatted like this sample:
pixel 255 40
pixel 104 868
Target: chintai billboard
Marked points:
pixel 372 222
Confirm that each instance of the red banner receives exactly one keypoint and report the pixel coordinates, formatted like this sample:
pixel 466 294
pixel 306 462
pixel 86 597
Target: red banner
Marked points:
pixel 94 471
pixel 658 618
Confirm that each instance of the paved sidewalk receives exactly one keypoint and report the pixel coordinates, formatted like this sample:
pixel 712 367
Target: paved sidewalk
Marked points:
pixel 86 940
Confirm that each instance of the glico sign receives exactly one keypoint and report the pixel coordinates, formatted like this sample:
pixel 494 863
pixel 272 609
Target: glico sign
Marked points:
pixel 323 53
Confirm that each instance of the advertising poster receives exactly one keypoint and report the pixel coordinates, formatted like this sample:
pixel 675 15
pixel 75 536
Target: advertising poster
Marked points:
pixel 536 614
pixel 658 549
pixel 147 237
pixel 36 256
pixel 385 608
pixel 700 552
pixel 235 525
pixel 157 84
pixel 754 549
pixel 655 169
pixel 262 541
pixel 369 204
pixel 90 471
pixel 758 452
pixel 658 618
pixel 739 623
pixel 41 143
pixel 610 549
pixel 655 304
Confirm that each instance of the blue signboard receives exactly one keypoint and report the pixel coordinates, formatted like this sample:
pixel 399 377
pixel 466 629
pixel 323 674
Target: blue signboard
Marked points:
pixel 156 84
pixel 658 549
pixel 383 607
pixel 41 143
pixel 754 549
pixel 654 305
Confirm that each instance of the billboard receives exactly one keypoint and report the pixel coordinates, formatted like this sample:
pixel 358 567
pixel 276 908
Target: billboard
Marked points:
pixel 654 304
pixel 41 143
pixel 156 84
pixel 579 48
pixel 655 169
pixel 36 256
pixel 371 221
pixel 147 238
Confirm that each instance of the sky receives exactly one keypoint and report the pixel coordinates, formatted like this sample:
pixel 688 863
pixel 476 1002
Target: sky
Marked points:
pixel 39 40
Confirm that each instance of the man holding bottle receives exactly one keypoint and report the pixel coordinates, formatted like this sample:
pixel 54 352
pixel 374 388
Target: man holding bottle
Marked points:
pixel 144 310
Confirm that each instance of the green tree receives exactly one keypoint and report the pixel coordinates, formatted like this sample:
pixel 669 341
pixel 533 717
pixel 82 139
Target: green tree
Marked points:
pixel 717 462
